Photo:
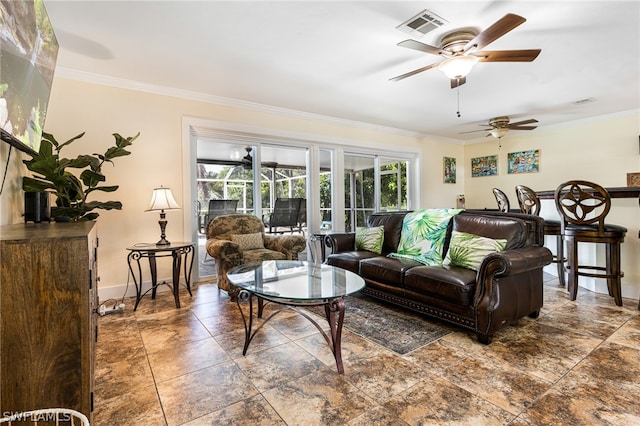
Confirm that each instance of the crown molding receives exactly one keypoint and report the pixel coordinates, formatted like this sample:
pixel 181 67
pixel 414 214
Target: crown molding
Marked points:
pixel 121 83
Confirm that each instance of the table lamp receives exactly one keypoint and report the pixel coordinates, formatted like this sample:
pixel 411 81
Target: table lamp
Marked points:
pixel 161 200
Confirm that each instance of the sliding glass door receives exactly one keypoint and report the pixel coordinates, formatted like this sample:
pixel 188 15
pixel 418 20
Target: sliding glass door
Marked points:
pixel 341 186
pixel 373 183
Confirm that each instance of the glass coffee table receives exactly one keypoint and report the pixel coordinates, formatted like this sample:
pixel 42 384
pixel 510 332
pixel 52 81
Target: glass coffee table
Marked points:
pixel 295 284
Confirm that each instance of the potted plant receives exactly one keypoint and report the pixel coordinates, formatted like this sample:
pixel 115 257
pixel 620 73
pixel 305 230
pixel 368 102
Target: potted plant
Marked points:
pixel 71 191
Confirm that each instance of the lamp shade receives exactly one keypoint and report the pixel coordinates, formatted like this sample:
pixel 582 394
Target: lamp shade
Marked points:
pixel 458 66
pixel 162 199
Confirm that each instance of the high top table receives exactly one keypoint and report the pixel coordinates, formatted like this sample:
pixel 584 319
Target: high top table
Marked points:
pixel 296 284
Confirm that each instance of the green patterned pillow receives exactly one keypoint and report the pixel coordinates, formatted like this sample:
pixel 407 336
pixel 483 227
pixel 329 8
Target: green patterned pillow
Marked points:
pixel 468 250
pixel 423 235
pixel 370 239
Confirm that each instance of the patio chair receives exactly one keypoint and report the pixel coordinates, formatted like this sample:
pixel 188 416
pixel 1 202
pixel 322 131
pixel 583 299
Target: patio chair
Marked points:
pixel 287 213
pixel 219 208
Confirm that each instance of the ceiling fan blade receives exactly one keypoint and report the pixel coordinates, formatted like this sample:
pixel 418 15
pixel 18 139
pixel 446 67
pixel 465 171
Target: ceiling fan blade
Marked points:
pixel 455 82
pixel 512 127
pixel 414 72
pixel 416 45
pixel 529 121
pixel 524 55
pixel 495 31
pixel 472 131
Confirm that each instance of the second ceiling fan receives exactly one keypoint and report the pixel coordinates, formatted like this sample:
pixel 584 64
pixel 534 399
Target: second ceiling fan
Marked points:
pixel 463 49
pixel 499 126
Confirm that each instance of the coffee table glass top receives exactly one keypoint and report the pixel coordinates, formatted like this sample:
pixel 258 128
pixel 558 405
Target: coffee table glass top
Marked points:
pixel 295 280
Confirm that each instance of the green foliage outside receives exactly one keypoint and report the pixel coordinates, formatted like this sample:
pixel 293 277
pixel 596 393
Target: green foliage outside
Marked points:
pixel 211 185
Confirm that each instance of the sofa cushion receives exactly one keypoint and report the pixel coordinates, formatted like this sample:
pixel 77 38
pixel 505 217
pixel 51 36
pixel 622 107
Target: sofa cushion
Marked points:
pixel 386 270
pixel 451 283
pixel 468 250
pixel 349 260
pixel 370 239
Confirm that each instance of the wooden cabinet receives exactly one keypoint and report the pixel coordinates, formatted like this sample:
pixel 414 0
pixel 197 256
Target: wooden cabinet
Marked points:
pixel 48 324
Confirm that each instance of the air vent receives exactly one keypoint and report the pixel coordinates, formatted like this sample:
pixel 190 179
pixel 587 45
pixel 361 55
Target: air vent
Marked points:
pixel 421 24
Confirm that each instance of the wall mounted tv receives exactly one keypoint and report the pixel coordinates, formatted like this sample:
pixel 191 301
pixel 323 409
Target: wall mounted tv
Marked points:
pixel 28 54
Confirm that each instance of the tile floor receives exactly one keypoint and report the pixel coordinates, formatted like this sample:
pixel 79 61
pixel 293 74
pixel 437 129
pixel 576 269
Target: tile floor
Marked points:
pixel 578 364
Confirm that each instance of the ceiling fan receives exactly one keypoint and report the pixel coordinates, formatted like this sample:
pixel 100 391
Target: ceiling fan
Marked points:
pixel 247 160
pixel 499 126
pixel 463 49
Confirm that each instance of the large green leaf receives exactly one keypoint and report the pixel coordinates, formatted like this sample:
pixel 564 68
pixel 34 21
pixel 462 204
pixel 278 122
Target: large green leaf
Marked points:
pixel 71 190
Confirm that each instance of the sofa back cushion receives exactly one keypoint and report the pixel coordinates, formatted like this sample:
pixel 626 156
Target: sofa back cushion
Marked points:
pixel 392 222
pixel 513 230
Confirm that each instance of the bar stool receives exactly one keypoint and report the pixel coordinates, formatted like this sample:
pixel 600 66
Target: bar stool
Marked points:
pixel 502 200
pixel 583 207
pixel 530 204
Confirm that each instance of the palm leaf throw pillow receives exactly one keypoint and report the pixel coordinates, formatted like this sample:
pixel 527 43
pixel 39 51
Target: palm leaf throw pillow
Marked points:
pixel 423 235
pixel 370 239
pixel 468 250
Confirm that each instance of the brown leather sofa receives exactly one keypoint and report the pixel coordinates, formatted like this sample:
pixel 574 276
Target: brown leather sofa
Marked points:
pixel 506 287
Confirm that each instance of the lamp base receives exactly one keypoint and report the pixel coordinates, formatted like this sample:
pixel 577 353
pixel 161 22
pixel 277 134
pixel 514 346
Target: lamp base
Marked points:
pixel 163 225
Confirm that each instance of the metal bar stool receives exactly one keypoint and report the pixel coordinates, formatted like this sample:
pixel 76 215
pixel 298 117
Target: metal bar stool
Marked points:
pixel 583 207
pixel 530 204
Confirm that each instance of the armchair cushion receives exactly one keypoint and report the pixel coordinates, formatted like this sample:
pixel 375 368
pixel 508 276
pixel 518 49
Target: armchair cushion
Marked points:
pixel 248 241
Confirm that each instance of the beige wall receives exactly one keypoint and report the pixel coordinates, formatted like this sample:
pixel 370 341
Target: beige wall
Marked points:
pixel 602 151
pixel 157 157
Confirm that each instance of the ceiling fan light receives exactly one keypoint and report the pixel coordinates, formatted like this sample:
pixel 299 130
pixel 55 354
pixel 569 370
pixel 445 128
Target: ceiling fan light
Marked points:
pixel 458 66
pixel 235 155
pixel 498 132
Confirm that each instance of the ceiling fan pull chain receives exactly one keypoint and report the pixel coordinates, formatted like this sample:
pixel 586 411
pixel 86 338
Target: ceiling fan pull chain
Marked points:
pixel 458 96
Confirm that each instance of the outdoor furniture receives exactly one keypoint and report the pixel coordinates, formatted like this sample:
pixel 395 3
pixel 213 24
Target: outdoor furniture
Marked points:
pixel 583 207
pixel 219 208
pixel 530 204
pixel 289 213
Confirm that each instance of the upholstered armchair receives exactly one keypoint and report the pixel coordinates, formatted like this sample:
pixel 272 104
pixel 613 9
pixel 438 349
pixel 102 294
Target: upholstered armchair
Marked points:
pixel 236 239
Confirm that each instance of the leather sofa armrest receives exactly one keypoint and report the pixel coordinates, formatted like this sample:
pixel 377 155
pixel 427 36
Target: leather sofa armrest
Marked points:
pixel 340 242
pixel 225 250
pixel 507 263
pixel 516 261
pixel 290 245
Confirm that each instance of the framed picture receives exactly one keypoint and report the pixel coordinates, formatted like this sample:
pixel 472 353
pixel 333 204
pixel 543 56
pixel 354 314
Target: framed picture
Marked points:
pixel 449 170
pixel 523 162
pixel 484 166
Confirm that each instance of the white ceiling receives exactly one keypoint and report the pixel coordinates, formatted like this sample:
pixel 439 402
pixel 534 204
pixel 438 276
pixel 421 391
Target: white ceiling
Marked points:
pixel 335 58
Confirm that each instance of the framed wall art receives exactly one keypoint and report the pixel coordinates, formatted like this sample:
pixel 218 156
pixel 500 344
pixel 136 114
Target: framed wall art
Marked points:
pixel 449 170
pixel 484 166
pixel 523 162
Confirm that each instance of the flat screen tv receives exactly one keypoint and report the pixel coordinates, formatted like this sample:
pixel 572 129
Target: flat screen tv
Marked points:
pixel 28 54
